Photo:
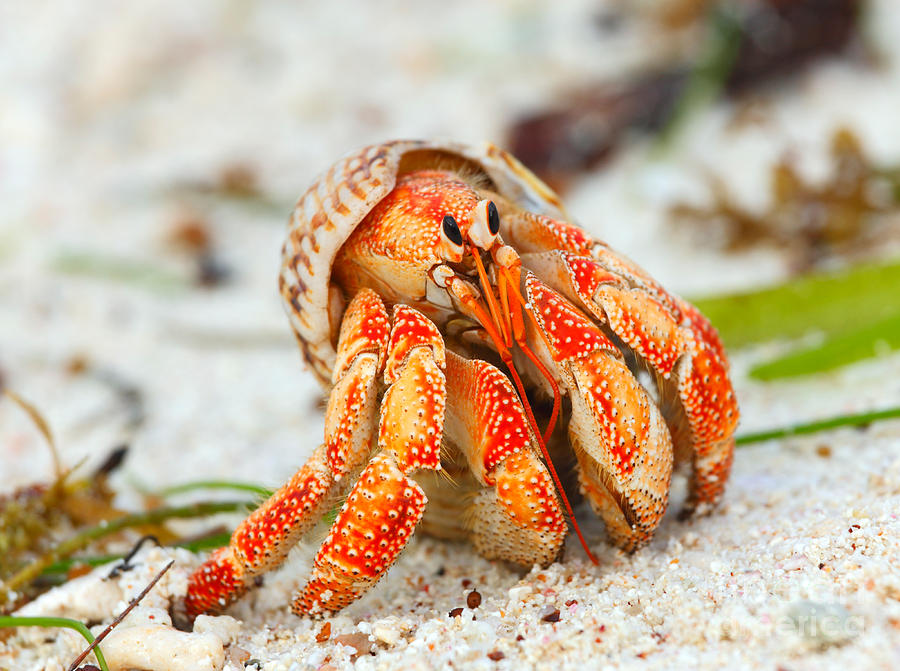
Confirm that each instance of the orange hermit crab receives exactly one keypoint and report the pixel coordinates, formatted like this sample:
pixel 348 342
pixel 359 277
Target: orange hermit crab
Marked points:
pixel 463 325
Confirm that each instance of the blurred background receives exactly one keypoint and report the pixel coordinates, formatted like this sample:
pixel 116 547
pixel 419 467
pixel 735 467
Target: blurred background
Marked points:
pixel 151 152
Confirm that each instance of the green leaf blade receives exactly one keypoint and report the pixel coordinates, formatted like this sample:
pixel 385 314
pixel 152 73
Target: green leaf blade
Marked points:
pixel 867 342
pixel 834 303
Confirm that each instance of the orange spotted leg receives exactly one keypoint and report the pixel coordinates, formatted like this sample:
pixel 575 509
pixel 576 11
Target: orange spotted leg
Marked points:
pixel 385 504
pixel 262 541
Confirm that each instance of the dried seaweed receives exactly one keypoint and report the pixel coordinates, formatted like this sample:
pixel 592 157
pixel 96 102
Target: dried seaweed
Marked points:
pixel 748 45
pixel 813 223
pixel 34 518
pixel 86 537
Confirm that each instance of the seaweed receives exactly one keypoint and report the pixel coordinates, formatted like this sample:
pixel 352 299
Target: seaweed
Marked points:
pixel 813 223
pixel 35 517
pixel 747 45
pixel 106 528
pixel 855 312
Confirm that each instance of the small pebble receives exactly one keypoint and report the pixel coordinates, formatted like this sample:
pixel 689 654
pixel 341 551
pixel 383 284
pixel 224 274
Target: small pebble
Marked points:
pixel 550 614
pixel 456 612
pixel 496 655
pixel 358 641
pixel 324 633
pixel 237 656
pixel 473 600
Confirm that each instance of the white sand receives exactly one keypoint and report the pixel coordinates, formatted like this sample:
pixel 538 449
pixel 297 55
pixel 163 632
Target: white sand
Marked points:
pixel 107 109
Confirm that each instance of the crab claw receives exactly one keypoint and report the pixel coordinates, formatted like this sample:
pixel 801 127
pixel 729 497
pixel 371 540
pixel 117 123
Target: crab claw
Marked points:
pixel 675 341
pixel 623 447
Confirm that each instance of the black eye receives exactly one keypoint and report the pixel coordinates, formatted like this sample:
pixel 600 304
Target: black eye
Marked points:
pixel 493 219
pixel 451 230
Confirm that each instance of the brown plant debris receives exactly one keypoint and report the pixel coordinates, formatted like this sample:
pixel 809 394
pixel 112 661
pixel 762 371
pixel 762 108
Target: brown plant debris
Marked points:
pixel 815 223
pixel 765 40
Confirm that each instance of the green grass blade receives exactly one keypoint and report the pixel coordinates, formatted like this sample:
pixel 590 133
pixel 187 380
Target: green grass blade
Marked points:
pixel 14 621
pixel 106 528
pixel 841 302
pixel 709 73
pixel 867 342
pixel 215 484
pixel 859 419
pixel 206 543
pixel 118 269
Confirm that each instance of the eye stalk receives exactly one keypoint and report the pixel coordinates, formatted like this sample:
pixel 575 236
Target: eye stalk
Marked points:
pixel 485 224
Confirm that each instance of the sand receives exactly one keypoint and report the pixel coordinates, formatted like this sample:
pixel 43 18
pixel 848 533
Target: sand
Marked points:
pixel 109 134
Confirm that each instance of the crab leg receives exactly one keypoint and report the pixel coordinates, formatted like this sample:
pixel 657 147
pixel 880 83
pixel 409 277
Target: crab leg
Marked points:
pixel 385 504
pixel 622 444
pixel 675 340
pixel 518 518
pixel 262 541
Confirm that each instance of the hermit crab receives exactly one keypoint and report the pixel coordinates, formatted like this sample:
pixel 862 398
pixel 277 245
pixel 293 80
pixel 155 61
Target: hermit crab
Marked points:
pixel 472 339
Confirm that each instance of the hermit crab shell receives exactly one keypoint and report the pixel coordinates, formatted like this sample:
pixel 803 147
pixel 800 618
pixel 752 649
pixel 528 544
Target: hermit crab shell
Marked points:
pixel 340 199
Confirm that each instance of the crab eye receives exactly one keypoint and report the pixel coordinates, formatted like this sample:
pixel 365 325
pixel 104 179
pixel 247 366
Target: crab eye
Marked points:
pixel 485 224
pixel 451 230
pixel 493 218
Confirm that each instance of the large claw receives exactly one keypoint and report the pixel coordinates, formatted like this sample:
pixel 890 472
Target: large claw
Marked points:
pixel 622 444
pixel 675 340
pixel 262 541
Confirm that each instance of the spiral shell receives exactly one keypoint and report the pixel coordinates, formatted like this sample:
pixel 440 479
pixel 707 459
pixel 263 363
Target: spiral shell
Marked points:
pixel 340 199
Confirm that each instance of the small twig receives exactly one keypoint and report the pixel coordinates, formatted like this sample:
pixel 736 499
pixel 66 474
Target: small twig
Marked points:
pixel 859 419
pixel 125 565
pixel 134 602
